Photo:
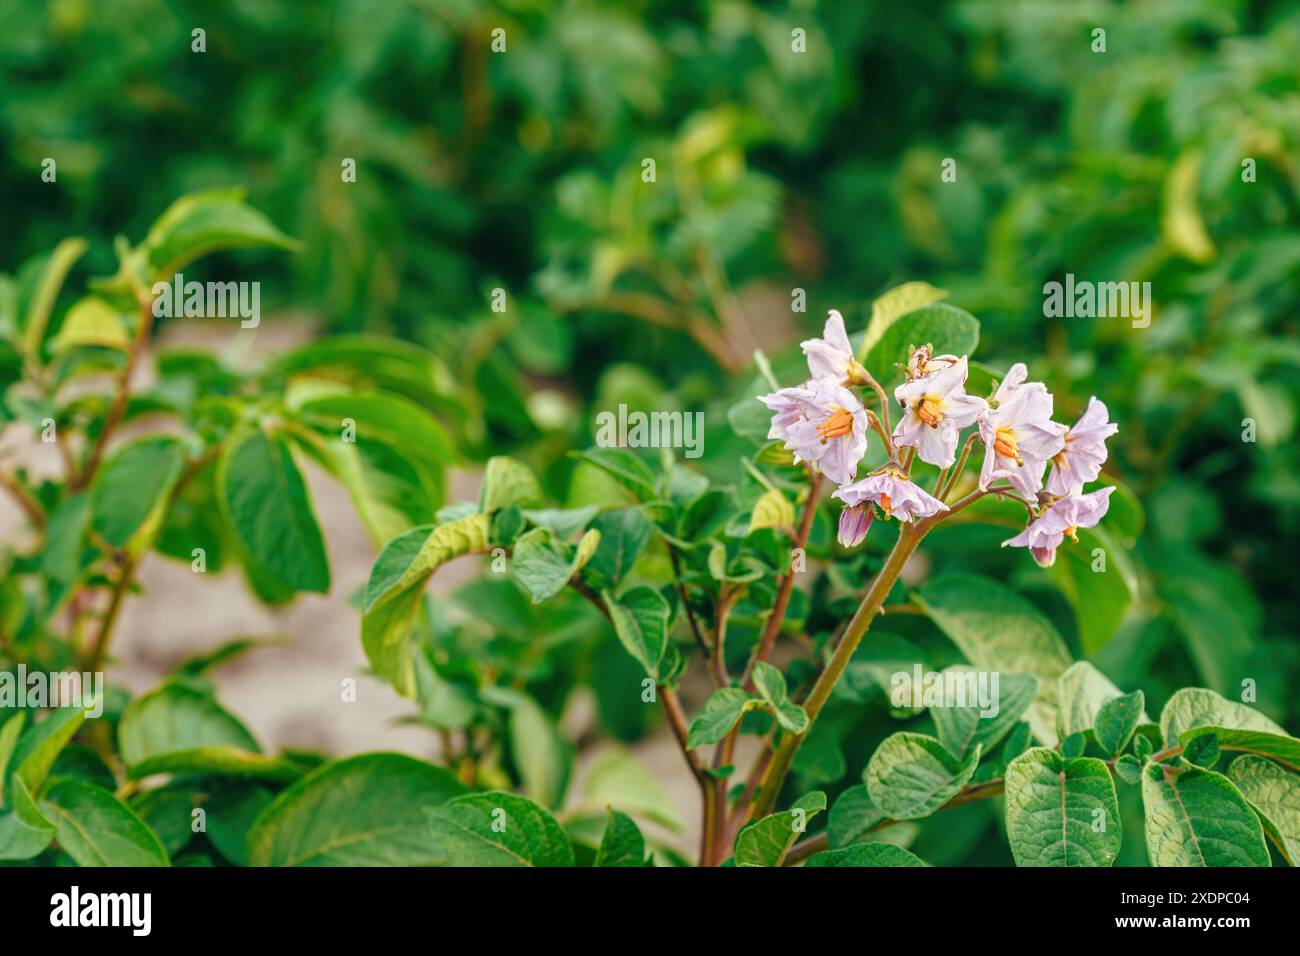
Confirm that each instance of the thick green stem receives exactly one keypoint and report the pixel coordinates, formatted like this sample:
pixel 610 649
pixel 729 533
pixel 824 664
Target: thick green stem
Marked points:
pixel 908 538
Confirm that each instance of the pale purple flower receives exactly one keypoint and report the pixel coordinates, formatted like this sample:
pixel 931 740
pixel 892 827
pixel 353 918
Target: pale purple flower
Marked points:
pixel 820 422
pixel 854 522
pixel 1012 381
pixel 935 408
pixel 1080 461
pixel 1062 519
pixel 831 356
pixel 1020 436
pixel 895 494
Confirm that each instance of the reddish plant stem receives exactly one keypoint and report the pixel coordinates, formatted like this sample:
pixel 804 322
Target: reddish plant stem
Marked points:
pixel 717 657
pixel 676 717
pixel 681 593
pixel 118 408
pixel 30 506
pixel 773 625
pixel 129 562
pixel 677 721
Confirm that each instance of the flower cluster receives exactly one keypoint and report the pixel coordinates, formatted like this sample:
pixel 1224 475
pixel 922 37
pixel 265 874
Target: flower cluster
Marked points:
pixel 824 424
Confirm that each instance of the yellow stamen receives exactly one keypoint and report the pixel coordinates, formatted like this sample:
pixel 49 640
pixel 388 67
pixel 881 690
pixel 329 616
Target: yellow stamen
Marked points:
pixel 886 505
pixel 838 425
pixel 1004 443
pixel 930 410
pixel 1072 533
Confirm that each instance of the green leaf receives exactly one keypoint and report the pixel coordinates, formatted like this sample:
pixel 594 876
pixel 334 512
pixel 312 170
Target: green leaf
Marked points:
pixel 391 492
pixel 366 810
pixel 91 321
pixel 1202 749
pixel 24 832
pixel 998 630
pixel 766 841
pixel 705 516
pixel 368 362
pixel 1215 610
pixel 265 500
pixel 889 306
pixel 1198 818
pixel 410 558
pixel 961 728
pixel 232 807
pixel 542 756
pixel 38 748
pixel 508 482
pixel 624 533
pixel 744 569
pixel 1074 745
pixel 719 714
pixel 563 521
pixel 622 843
pixel 1142 748
pixel 396 583
pixel 629 470
pixel 1117 720
pixel 542 565
pixel 96 829
pixel 387 638
pixel 1275 796
pixel 393 419
pixel 852 817
pixel 169 812
pixel 1061 811
pixel 770 684
pixel 618 779
pixel 65 539
pixel 640 618
pixel 1194 707
pixel 79 760
pixel 949 329
pixel 130 489
pixel 1101 598
pixel 1285 750
pixel 866 854
pixel 10 731
pixel 54 270
pixel 205 222
pixel 772 510
pixel 179 729
pixel 911 775
pixel 497 829
pixel 1082 691
pixel 1129 769
pixel 748 417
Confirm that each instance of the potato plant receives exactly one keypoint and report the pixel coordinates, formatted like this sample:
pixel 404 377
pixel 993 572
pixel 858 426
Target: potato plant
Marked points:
pixel 756 620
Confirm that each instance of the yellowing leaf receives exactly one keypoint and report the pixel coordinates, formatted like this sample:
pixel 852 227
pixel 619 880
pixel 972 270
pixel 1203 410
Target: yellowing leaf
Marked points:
pixel 772 511
pixel 92 321
pixel 1181 223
